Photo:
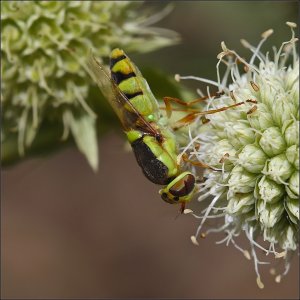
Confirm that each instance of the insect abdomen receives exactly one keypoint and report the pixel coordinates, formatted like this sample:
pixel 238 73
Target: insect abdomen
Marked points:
pixel 129 80
pixel 154 169
pixel 156 163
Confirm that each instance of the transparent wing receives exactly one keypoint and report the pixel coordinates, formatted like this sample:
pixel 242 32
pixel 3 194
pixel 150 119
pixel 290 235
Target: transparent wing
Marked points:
pixel 130 119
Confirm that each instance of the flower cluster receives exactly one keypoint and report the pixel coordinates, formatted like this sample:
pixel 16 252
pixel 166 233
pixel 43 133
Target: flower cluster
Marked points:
pixel 252 185
pixel 44 47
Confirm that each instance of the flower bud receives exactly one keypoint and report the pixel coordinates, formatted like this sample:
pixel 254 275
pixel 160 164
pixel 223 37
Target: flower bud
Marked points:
pixel 291 132
pixel 241 181
pixel 240 203
pixel 269 213
pixel 293 188
pixel 272 142
pixel 288 238
pixel 291 81
pixel 252 158
pixel 268 190
pixel 239 134
pixel 278 168
pixel 270 235
pixel 292 155
pixel 292 208
pixel 282 110
pixel 221 153
pixel 261 118
pixel 267 92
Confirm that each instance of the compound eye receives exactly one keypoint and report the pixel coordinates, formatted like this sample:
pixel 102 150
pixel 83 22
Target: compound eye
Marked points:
pixel 184 186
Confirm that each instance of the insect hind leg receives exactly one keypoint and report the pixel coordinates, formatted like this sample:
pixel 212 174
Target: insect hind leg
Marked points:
pixel 188 119
pixel 168 100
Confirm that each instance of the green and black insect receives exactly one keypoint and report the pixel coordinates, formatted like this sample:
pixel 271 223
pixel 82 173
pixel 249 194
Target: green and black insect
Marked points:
pixel 153 143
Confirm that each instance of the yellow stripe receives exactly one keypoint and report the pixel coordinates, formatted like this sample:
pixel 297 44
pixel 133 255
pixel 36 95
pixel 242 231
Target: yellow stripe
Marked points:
pixel 123 66
pixel 116 53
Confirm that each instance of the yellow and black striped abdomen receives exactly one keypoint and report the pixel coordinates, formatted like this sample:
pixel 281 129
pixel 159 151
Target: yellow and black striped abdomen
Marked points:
pixel 131 82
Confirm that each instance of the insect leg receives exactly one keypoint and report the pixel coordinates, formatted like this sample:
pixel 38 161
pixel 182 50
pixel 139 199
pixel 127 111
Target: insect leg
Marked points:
pixel 192 116
pixel 185 158
pixel 168 100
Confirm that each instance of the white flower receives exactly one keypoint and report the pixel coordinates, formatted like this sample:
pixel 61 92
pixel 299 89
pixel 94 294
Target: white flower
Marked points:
pixel 253 151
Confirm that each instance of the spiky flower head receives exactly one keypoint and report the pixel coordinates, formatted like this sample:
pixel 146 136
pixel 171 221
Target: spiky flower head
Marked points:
pixel 44 47
pixel 252 186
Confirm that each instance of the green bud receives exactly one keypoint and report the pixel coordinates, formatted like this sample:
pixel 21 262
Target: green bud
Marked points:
pixel 294 95
pixel 278 168
pixel 272 142
pixel 261 118
pixel 241 181
pixel 239 134
pixel 266 92
pixel 221 153
pixel 291 83
pixel 292 155
pixel 290 193
pixel 268 190
pixel 292 208
pixel 218 121
pixel 252 158
pixel 293 188
pixel 240 203
pixel 290 130
pixel 269 213
pixel 270 235
pixel 288 238
pixel 282 110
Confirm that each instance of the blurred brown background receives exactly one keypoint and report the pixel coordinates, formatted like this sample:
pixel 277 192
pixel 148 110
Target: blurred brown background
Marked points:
pixel 70 233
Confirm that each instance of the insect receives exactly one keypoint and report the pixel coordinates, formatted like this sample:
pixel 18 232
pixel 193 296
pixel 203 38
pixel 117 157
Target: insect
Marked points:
pixel 153 143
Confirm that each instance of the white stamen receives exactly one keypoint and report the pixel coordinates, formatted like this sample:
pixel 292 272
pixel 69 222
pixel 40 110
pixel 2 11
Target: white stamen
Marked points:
pixel 267 33
pixel 200 92
pixel 281 254
pixel 209 217
pixel 291 24
pixel 194 240
pixel 177 77
pixel 247 255
pixel 200 79
pixel 278 278
pixel 223 46
pixel 273 271
pixel 222 228
pixel 264 35
pixel 245 43
pixel 259 282
pixel 214 201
